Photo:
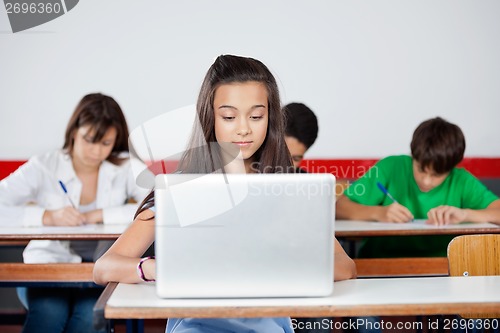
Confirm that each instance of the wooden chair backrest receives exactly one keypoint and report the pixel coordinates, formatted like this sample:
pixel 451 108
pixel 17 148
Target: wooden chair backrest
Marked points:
pixel 475 255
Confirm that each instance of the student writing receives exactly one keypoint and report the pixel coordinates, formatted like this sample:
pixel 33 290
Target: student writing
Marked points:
pixel 427 185
pixel 94 168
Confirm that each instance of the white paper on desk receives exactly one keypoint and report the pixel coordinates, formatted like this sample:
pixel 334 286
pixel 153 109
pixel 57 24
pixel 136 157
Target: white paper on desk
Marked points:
pixel 462 225
pixel 63 230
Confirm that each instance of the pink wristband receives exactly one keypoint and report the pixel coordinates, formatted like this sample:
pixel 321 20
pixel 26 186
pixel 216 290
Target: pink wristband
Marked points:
pixel 140 272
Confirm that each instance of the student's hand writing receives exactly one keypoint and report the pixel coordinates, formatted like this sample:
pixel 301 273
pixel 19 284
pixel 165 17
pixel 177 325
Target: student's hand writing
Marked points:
pixel 93 217
pixel 395 213
pixel 444 215
pixel 67 216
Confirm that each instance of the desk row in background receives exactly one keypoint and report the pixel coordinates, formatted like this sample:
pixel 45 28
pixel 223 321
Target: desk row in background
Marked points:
pixel 342 229
pixel 89 232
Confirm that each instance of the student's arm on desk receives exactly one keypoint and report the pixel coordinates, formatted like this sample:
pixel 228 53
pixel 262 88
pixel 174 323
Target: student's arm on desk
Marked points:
pixel 119 263
pixel 19 193
pixel 345 268
pixel 346 209
pixel 444 215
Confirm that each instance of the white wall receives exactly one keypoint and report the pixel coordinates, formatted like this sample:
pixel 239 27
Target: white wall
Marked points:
pixel 372 70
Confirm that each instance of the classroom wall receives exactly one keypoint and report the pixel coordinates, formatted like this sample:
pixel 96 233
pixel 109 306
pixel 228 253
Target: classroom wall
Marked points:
pixel 371 70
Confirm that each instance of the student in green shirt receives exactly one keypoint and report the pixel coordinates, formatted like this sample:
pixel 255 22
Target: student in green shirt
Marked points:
pixel 427 185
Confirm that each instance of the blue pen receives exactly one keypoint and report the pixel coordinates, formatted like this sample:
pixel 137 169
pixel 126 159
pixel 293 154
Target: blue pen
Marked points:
pixel 67 195
pixel 384 190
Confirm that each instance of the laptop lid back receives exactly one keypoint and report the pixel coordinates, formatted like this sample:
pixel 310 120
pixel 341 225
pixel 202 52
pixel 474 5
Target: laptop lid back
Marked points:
pixel 244 235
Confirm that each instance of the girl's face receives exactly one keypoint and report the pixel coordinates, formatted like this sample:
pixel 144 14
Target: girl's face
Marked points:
pixel 241 118
pixel 88 154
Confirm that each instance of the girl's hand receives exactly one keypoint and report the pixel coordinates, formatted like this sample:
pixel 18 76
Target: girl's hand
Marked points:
pixel 67 216
pixel 93 217
pixel 444 215
pixel 395 213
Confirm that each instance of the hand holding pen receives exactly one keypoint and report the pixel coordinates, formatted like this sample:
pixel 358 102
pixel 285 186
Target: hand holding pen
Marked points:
pixel 66 193
pixel 66 216
pixel 394 212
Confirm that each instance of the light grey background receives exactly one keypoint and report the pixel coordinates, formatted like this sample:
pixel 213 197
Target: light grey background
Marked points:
pixel 372 70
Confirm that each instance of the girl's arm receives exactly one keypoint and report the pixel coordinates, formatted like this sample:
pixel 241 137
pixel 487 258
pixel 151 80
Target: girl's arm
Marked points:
pixel 31 183
pixel 119 263
pixel 16 190
pixel 345 268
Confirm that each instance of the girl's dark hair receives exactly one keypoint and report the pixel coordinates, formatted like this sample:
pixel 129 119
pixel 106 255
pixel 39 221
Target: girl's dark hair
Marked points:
pixel 438 145
pixel 203 153
pixel 100 112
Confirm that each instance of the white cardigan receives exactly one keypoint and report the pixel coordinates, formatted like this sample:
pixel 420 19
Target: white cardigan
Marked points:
pixel 37 182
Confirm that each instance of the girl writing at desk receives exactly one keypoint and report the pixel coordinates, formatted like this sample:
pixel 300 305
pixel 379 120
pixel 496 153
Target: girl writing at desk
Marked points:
pixel 238 107
pixel 88 181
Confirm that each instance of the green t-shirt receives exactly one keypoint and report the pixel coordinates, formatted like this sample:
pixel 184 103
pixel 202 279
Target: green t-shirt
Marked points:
pixel 459 189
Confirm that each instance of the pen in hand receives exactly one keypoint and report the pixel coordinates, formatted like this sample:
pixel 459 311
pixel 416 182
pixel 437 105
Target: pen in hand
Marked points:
pixel 67 195
pixel 384 190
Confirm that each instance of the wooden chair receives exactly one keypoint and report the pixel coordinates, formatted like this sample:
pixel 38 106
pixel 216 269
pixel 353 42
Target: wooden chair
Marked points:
pixel 475 255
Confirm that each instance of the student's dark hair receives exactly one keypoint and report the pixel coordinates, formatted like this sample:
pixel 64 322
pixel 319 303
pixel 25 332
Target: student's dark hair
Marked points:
pixel 203 152
pixel 101 113
pixel 301 123
pixel 438 145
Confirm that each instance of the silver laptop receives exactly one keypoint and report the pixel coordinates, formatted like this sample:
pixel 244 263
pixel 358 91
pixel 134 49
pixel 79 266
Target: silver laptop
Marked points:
pixel 239 235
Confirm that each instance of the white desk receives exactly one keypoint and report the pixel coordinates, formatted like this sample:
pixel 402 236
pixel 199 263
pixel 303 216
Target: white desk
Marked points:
pixel 398 296
pixel 345 228
pixel 85 232
pixel 405 266
pixel 342 229
pixel 393 267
